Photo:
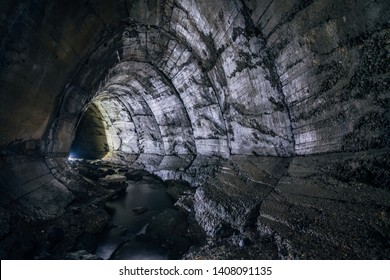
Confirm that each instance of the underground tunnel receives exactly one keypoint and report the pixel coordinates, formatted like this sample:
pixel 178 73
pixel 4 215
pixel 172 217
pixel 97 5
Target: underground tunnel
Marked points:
pixel 194 129
pixel 90 140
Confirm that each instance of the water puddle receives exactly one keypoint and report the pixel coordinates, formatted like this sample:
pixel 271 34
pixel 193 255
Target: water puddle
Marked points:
pixel 132 212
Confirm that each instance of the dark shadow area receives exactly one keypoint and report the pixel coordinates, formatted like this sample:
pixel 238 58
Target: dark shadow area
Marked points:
pixel 90 141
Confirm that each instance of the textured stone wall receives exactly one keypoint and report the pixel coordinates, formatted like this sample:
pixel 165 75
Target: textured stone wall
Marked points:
pixel 333 206
pixel 243 77
pixel 28 185
pixel 333 62
pixel 178 81
pixel 42 44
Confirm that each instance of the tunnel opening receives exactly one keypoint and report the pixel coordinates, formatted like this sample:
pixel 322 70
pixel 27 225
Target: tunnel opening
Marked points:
pixel 90 141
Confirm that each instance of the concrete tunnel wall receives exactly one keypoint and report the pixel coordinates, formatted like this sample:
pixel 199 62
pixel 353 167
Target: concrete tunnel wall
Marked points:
pixel 174 78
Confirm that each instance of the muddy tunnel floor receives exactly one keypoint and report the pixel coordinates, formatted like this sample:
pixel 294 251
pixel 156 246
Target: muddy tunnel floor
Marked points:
pixel 117 213
pixel 136 220
pixel 334 206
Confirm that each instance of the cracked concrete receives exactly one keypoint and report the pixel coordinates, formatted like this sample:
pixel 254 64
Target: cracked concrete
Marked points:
pixel 305 211
pixel 227 95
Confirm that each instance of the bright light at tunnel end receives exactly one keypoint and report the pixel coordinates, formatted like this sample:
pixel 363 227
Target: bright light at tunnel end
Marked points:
pixel 72 156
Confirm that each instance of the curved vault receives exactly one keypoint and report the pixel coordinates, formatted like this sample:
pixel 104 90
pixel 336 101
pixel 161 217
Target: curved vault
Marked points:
pixel 253 77
pixel 177 81
pixel 240 77
pixel 174 104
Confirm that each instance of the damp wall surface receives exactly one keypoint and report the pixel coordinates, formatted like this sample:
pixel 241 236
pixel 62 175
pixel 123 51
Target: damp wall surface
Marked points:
pixel 221 78
pixel 180 86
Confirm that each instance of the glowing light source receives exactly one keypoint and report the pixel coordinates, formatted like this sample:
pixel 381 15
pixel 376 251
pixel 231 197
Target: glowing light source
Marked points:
pixel 72 156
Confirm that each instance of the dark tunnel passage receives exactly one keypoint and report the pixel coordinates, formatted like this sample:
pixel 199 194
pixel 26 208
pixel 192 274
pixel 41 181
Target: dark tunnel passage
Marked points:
pixel 262 124
pixel 90 141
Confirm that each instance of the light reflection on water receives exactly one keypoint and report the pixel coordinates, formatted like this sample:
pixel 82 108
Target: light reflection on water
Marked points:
pixel 119 242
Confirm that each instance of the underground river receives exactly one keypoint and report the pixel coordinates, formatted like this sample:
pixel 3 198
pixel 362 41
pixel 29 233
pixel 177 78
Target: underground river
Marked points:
pixel 132 212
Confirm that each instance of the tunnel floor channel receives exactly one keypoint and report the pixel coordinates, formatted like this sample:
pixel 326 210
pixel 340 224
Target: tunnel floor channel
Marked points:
pixel 143 224
pixel 132 212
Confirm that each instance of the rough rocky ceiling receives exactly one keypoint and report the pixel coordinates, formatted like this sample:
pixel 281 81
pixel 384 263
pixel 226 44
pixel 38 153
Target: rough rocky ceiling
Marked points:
pixel 229 77
pixel 179 87
pixel 181 93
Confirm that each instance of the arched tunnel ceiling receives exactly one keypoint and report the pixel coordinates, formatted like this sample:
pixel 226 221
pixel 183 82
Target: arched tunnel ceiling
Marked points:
pixel 225 95
pixel 193 102
pixel 197 77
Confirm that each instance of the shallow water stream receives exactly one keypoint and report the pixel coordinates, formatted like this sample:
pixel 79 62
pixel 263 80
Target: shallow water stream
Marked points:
pixel 132 212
